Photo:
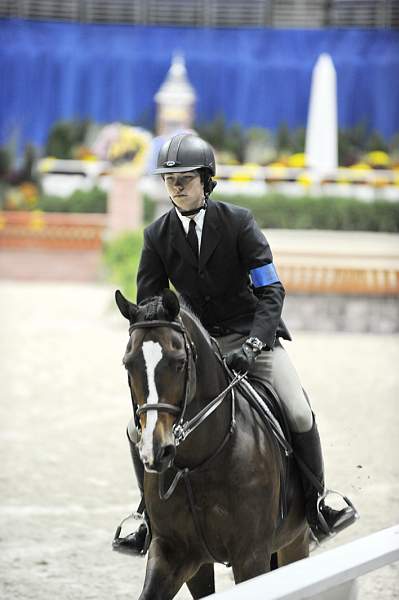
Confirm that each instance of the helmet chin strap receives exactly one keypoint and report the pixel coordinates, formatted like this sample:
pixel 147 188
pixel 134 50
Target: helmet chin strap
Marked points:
pixel 194 211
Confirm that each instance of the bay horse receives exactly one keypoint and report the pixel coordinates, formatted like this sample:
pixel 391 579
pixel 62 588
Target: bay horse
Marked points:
pixel 212 469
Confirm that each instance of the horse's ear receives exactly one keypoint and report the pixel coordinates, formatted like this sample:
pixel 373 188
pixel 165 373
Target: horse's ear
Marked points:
pixel 128 309
pixel 170 302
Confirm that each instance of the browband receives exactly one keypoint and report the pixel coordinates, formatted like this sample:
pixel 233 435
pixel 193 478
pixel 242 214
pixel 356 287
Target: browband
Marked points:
pixel 158 323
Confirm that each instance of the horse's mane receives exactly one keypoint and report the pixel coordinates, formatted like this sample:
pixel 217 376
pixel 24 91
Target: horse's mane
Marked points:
pixel 152 308
pixel 191 314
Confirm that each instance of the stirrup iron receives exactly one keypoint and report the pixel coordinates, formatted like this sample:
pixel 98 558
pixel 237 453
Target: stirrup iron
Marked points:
pixel 347 518
pixel 135 516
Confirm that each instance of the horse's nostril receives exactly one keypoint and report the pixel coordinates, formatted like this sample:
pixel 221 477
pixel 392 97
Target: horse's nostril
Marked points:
pixel 167 453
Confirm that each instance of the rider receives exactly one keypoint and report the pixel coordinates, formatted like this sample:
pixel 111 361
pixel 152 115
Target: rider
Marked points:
pixel 220 262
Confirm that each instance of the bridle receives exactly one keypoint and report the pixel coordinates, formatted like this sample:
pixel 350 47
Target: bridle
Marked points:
pixel 182 428
pixel 190 357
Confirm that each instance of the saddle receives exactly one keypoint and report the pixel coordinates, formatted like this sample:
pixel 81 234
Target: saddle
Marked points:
pixel 265 401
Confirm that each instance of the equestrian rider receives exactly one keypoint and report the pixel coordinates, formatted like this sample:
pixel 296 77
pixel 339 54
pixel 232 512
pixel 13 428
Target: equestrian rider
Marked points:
pixel 191 246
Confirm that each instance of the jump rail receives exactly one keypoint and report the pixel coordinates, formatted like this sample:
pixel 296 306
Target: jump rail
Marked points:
pixel 322 573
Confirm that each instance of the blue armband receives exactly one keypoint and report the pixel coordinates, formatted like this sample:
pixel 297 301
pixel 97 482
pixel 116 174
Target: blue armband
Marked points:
pixel 265 275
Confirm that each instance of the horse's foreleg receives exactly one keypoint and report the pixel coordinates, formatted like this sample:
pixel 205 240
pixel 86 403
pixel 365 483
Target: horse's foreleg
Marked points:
pixel 167 570
pixel 203 582
pixel 296 550
pixel 251 564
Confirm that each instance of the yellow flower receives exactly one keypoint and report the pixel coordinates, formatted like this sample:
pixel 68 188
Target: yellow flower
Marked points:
pixel 46 164
pixel 378 158
pixel 297 161
pixel 277 165
pixel 246 172
pixel 341 177
pixel 304 179
pixel 360 167
pixel 29 192
pixel 37 222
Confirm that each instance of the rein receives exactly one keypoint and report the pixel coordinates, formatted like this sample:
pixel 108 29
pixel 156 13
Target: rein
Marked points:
pixel 183 429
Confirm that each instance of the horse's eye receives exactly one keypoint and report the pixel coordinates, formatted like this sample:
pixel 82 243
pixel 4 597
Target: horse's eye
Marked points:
pixel 179 364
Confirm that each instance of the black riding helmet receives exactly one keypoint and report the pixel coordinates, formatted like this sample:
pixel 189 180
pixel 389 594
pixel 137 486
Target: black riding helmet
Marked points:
pixel 187 152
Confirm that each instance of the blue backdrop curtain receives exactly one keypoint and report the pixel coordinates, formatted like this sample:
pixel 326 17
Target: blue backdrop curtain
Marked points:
pixel 256 77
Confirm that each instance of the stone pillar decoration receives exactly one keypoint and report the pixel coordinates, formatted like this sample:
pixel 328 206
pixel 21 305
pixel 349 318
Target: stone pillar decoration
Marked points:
pixel 126 148
pixel 125 203
pixel 175 100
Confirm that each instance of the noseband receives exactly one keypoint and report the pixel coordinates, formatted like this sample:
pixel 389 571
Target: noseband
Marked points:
pixel 182 429
pixel 191 356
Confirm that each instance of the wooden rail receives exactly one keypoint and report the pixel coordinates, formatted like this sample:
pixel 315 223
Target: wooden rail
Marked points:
pixel 51 230
pixel 301 271
pixel 339 280
pixel 336 262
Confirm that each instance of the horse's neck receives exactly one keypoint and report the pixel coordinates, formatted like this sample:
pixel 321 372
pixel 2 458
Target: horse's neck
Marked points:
pixel 210 375
pixel 210 381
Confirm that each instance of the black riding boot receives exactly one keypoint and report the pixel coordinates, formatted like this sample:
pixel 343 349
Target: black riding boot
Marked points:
pixel 323 520
pixel 137 542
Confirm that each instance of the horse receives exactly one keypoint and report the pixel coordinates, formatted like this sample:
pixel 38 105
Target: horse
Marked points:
pixel 212 480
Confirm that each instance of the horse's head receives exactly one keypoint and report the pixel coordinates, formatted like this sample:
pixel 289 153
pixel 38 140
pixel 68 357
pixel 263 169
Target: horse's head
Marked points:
pixel 158 359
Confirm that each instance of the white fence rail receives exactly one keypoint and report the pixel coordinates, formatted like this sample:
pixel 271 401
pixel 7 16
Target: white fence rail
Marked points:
pixel 331 574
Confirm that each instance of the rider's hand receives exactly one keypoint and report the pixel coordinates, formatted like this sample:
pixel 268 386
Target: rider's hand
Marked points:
pixel 243 359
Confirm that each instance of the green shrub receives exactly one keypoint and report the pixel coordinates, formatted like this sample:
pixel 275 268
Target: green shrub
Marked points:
pixel 80 201
pixel 274 211
pixel 149 207
pixel 65 136
pixel 121 257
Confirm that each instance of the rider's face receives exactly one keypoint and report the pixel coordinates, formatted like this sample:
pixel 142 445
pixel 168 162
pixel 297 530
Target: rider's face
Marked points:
pixel 185 189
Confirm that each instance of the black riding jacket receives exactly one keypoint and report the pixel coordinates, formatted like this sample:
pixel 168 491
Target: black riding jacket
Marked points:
pixel 217 286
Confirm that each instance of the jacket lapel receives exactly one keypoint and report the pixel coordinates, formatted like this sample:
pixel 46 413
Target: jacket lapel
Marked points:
pixel 210 234
pixel 178 239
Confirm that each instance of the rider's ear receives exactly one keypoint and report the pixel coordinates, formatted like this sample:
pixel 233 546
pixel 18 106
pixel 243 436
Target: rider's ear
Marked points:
pixel 128 309
pixel 170 303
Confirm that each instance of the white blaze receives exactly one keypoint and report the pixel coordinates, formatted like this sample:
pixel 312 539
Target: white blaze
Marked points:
pixel 152 352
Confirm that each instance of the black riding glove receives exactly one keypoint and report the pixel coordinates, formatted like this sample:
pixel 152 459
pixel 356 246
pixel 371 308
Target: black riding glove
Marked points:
pixel 243 359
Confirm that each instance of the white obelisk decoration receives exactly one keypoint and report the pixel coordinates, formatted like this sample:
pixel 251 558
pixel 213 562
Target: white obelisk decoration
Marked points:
pixel 321 146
